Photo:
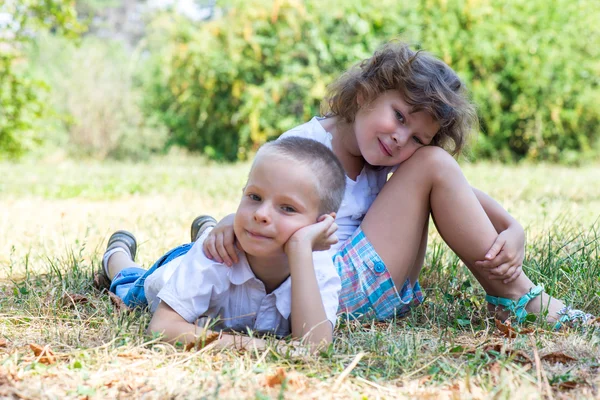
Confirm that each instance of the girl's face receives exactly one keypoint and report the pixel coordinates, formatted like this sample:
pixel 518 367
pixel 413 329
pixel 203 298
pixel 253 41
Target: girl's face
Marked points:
pixel 386 131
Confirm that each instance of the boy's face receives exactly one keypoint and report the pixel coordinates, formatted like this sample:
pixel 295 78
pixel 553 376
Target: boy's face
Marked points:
pixel 386 131
pixel 279 198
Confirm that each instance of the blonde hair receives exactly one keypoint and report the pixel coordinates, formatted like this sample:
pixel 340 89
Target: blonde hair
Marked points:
pixel 329 175
pixel 426 83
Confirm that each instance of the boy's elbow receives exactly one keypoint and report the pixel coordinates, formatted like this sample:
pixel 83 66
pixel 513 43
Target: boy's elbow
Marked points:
pixel 155 327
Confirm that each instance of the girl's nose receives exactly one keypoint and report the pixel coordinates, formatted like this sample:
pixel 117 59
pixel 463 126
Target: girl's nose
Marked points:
pixel 399 138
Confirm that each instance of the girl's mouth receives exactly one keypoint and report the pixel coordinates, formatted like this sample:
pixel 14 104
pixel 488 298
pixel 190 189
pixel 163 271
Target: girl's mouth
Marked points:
pixel 384 148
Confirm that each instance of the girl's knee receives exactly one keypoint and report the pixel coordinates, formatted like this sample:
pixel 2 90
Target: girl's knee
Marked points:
pixel 432 162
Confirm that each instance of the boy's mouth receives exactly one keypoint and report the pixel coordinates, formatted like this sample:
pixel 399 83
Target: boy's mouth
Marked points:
pixel 256 235
pixel 384 149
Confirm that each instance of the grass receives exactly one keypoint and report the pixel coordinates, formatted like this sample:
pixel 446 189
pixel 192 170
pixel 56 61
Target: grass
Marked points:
pixel 57 217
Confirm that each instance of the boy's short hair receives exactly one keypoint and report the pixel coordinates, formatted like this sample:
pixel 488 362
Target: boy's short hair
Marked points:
pixel 329 175
pixel 425 82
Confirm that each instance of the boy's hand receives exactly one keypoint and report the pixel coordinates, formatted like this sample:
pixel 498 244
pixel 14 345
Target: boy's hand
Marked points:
pixel 319 236
pixel 504 260
pixel 220 242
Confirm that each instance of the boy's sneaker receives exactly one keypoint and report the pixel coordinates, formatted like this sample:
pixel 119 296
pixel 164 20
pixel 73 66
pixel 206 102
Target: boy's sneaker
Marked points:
pixel 119 241
pixel 200 224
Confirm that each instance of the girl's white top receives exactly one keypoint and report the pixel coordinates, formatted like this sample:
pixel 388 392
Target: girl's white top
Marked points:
pixel 359 194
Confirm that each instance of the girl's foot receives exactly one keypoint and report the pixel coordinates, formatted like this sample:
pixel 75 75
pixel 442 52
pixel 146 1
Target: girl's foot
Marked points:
pixel 537 302
pixel 200 224
pixel 119 241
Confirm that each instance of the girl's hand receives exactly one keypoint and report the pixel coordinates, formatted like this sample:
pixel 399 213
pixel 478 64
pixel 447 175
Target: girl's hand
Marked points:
pixel 220 242
pixel 504 260
pixel 319 236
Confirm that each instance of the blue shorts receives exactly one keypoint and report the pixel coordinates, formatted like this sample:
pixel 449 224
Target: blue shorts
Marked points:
pixel 129 283
pixel 368 290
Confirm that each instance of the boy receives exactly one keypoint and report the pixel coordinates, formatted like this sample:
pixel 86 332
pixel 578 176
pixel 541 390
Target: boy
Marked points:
pixel 279 285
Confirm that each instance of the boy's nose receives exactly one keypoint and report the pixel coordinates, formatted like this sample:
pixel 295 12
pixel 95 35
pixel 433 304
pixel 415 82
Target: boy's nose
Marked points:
pixel 261 215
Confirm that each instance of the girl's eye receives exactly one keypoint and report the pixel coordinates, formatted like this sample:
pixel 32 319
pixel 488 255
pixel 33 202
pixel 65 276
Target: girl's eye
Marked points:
pixel 417 140
pixel 288 209
pixel 399 116
pixel 254 197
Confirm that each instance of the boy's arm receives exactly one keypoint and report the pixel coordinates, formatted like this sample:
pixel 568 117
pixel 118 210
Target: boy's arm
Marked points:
pixel 308 317
pixel 174 328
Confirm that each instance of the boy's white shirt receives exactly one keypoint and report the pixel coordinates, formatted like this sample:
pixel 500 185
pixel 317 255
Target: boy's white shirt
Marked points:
pixel 359 194
pixel 197 287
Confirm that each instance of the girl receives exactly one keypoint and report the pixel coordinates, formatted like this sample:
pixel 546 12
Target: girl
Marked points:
pixel 396 112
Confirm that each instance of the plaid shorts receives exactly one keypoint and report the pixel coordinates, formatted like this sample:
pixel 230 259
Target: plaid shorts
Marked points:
pixel 368 291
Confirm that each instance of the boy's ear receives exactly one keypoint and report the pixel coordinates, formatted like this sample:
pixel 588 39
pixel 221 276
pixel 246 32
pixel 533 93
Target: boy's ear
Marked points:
pixel 333 214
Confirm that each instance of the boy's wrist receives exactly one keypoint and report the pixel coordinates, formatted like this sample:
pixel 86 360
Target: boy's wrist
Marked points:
pixel 294 246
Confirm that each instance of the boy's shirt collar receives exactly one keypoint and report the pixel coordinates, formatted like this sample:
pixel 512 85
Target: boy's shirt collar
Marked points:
pixel 241 273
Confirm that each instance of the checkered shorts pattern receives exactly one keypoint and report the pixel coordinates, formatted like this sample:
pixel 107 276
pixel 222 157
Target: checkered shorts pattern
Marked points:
pixel 368 291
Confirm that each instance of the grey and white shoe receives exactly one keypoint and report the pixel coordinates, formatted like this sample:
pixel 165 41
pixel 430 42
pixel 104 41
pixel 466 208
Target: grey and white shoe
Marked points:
pixel 200 224
pixel 119 241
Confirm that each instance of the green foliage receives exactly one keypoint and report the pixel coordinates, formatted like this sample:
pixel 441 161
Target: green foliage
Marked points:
pixel 20 104
pixel 230 84
pixel 533 68
pixel 94 99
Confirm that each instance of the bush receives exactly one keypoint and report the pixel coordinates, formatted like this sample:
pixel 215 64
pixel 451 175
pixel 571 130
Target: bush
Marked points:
pixel 228 85
pixel 95 100
pixel 21 105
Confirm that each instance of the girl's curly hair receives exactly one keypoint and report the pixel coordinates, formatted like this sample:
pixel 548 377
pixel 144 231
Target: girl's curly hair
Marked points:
pixel 426 83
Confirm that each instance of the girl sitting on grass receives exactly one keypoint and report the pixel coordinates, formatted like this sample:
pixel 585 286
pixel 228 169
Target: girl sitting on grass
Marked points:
pixel 407 113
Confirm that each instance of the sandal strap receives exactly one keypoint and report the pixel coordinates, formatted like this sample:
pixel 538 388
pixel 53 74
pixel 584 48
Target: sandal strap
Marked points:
pixel 517 307
pixel 571 317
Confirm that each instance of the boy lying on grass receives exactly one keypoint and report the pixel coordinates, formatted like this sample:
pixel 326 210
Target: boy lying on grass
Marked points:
pixel 278 286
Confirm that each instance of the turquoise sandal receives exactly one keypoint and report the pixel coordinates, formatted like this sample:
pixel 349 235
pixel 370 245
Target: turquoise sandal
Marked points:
pixel 573 318
pixel 567 315
pixel 516 307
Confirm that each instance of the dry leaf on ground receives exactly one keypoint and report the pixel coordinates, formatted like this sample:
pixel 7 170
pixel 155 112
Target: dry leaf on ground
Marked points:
pixel 118 302
pixel 3 342
pixel 376 325
pixel 70 300
pixel 210 337
pixel 506 329
pixel 517 355
pixel 569 385
pixel 43 354
pixel 275 378
pixel 558 357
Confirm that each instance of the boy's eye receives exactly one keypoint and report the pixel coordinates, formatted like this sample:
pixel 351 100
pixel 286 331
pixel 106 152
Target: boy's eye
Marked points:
pixel 417 140
pixel 288 209
pixel 399 116
pixel 254 197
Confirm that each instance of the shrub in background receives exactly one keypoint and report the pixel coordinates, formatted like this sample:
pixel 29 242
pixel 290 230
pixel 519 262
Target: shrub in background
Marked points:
pixel 95 101
pixel 21 105
pixel 228 85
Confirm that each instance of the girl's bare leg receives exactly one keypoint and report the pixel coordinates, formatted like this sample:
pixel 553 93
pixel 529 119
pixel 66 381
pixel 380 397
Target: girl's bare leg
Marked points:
pixel 431 180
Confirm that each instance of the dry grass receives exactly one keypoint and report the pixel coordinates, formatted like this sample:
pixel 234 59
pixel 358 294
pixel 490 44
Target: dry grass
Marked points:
pixel 56 219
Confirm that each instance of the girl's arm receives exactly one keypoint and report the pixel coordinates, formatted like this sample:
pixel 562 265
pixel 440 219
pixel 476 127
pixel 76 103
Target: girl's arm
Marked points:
pixel 174 328
pixel 308 317
pixel 504 259
pixel 219 244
